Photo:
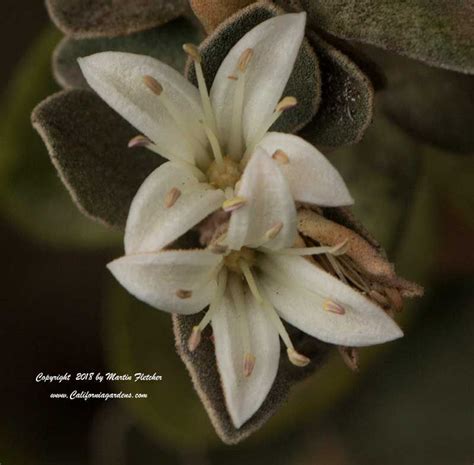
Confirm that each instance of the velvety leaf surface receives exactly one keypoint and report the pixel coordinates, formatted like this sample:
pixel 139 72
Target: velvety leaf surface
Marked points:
pixel 139 339
pixel 304 83
pixel 432 104
pixel 32 197
pixel 347 100
pixel 202 367
pixel 439 33
pixel 163 43
pixel 87 142
pixel 107 18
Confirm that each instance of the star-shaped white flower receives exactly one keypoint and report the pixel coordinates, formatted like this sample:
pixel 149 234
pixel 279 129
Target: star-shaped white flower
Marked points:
pixel 222 155
pixel 248 292
pixel 210 138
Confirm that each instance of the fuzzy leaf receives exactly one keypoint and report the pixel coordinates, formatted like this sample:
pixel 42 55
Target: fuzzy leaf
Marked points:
pixel 103 18
pixel 87 142
pixel 347 100
pixel 32 198
pixel 202 367
pixel 163 43
pixel 434 105
pixel 304 83
pixel 439 33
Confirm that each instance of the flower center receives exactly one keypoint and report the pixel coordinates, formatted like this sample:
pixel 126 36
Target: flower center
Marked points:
pixel 233 261
pixel 225 174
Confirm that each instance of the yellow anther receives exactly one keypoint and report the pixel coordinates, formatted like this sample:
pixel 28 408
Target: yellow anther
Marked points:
pixel 139 141
pixel 249 364
pixel 171 197
pixel 153 84
pixel 233 204
pixel 184 294
pixel 281 157
pixel 244 60
pixel 194 339
pixel 333 307
pixel 274 231
pixel 286 103
pixel 193 52
pixel 296 358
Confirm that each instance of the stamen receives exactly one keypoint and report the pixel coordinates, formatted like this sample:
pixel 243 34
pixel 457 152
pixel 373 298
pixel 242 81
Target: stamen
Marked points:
pixel 247 272
pixel 335 250
pixel 274 231
pixel 194 339
pixel 281 157
pixel 194 53
pixel 334 307
pixel 352 274
pixel 337 268
pixel 233 204
pixel 180 120
pixel 216 148
pixel 249 364
pixel 172 196
pixel 244 60
pixel 139 141
pixel 239 304
pixel 184 294
pixel 296 358
pixel 153 85
pixel 285 104
pixel 350 355
pixel 236 140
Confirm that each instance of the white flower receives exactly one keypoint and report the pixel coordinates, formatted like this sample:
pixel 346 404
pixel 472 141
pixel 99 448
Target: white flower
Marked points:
pixel 209 139
pixel 247 292
pixel 250 276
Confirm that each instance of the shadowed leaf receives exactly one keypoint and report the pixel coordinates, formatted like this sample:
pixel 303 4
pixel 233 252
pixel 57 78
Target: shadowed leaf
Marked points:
pixel 346 107
pixel 202 367
pixel 163 43
pixel 32 198
pixel 439 33
pixel 87 142
pixel 103 18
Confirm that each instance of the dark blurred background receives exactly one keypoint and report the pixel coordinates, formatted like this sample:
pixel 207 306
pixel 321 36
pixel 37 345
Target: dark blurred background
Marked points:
pixel 411 404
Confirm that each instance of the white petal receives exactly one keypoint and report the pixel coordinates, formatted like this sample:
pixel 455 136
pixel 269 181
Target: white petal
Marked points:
pixel 118 79
pixel 311 177
pixel 268 203
pixel 244 395
pixel 157 278
pixel 298 288
pixel 151 225
pixel 276 43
